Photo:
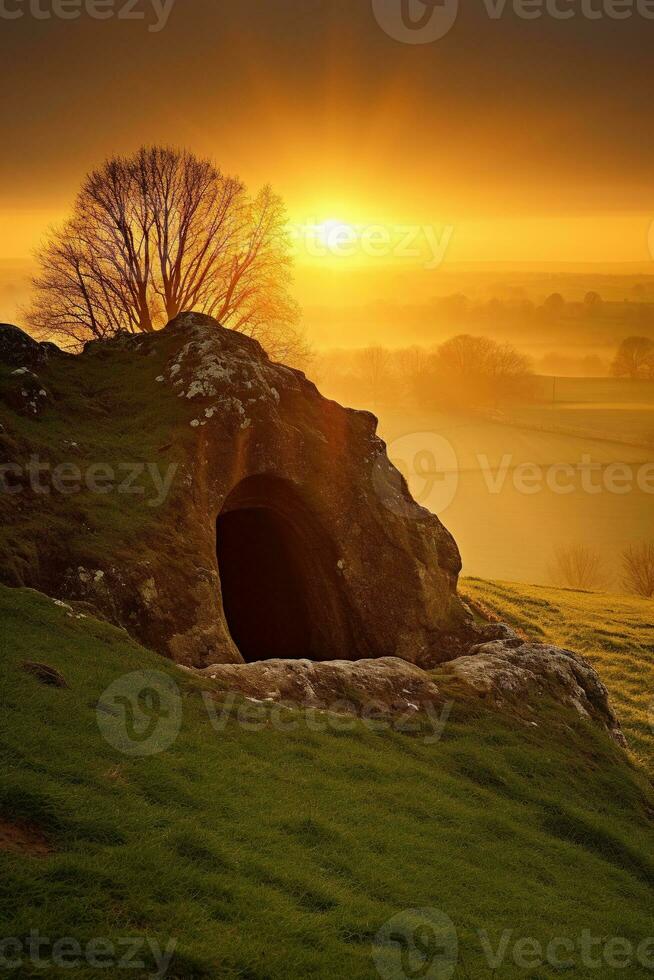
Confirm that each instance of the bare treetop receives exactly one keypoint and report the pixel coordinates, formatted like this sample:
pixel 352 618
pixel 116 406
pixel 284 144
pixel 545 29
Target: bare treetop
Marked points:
pixel 161 232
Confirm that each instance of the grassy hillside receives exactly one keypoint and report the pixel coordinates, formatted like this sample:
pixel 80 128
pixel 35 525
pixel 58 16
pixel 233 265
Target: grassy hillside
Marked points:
pixel 272 854
pixel 615 633
pixel 104 412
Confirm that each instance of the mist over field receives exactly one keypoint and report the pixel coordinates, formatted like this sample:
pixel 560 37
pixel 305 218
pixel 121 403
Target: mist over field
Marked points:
pixel 346 307
pixel 509 520
pixel 566 463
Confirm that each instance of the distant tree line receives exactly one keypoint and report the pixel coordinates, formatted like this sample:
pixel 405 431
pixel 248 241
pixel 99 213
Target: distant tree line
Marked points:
pixel 515 307
pixel 465 372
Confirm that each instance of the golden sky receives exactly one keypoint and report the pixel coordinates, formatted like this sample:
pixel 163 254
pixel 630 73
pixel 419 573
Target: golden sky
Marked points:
pixel 511 140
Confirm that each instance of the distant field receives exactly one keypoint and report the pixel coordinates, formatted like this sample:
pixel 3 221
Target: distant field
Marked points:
pixel 601 408
pixel 615 392
pixel 468 470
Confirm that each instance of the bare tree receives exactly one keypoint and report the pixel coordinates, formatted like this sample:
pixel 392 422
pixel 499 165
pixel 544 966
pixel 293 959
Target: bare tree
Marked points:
pixel 477 372
pixel 638 569
pixel 578 567
pixel 635 359
pixel 413 365
pixel 161 232
pixel 375 367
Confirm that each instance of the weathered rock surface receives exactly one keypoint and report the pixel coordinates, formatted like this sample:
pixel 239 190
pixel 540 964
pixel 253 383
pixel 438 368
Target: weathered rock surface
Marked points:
pixel 25 393
pixel 18 349
pixel 387 684
pixel 516 679
pixel 506 675
pixel 379 580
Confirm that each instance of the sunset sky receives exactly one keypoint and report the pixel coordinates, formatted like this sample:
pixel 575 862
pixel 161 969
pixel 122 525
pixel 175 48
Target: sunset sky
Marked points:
pixel 530 140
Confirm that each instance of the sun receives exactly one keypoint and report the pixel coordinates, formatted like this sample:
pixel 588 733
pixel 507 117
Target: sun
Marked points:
pixel 333 234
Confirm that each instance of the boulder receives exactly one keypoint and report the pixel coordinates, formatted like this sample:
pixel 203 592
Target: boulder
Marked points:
pixel 511 677
pixel 387 685
pixel 19 350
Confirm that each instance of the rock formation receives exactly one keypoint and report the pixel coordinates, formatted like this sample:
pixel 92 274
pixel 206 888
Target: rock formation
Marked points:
pixel 19 350
pixel 510 674
pixel 294 534
pixel 505 672
pixel 284 533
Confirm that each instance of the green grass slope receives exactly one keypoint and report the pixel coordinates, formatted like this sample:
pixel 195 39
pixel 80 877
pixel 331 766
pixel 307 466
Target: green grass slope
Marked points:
pixel 275 853
pixel 105 412
pixel 614 633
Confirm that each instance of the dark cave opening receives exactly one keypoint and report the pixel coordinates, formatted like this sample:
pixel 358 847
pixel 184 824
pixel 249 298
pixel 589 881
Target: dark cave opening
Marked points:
pixel 263 595
pixel 281 592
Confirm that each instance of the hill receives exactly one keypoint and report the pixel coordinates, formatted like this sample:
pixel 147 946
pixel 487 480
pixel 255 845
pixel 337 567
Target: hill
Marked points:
pixel 614 633
pixel 281 847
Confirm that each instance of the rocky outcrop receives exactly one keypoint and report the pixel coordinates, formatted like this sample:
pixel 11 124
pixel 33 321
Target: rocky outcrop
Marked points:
pixel 280 533
pixel 285 532
pixel 363 686
pixel 25 394
pixel 509 675
pixel 19 350
pixel 377 580
pixel 24 391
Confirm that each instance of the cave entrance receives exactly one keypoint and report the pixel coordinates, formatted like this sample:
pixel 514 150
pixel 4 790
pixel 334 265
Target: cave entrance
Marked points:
pixel 281 592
